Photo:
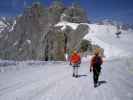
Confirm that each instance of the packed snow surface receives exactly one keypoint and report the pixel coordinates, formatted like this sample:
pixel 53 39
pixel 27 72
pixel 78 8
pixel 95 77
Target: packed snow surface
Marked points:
pixel 54 81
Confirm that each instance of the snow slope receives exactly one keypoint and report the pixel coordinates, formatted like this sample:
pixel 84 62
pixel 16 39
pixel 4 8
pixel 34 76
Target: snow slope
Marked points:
pixel 55 82
pixel 104 36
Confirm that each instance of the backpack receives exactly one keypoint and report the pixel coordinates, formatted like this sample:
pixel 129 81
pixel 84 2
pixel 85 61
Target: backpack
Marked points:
pixel 96 61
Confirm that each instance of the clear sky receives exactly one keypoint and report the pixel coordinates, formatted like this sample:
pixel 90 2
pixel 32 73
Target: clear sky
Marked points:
pixel 120 10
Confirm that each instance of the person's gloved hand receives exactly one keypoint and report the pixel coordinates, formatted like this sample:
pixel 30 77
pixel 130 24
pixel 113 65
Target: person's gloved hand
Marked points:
pixel 90 69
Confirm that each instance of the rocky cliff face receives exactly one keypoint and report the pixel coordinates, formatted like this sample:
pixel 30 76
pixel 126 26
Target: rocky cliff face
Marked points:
pixel 33 35
pixel 75 14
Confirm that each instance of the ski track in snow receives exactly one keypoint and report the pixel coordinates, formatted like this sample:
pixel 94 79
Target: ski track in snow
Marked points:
pixel 55 82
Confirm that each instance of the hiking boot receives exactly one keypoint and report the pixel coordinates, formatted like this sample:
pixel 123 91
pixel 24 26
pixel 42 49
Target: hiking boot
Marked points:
pixel 95 85
pixel 98 84
pixel 76 76
pixel 73 75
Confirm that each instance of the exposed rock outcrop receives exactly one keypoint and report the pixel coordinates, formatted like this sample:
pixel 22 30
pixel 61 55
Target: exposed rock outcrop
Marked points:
pixel 33 35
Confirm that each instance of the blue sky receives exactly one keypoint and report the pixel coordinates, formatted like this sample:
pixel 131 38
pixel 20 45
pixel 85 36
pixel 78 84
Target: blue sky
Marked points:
pixel 120 10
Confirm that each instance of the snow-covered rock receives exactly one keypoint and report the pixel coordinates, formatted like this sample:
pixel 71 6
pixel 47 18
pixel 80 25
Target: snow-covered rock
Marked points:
pixel 7 24
pixel 2 24
pixel 65 23
pixel 12 27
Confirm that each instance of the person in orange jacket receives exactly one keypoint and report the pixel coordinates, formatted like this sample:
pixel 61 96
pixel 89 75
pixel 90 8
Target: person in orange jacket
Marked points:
pixel 75 60
pixel 95 66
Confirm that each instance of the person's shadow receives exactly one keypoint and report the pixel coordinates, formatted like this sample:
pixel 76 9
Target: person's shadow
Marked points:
pixel 82 75
pixel 101 82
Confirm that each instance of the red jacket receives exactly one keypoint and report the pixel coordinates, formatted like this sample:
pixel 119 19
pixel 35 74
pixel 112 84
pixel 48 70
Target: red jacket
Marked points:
pixel 75 58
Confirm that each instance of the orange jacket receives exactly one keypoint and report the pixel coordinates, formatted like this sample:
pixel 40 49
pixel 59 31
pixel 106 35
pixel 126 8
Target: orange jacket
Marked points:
pixel 75 58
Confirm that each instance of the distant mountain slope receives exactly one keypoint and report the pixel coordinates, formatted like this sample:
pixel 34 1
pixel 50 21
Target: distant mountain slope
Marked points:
pixel 105 37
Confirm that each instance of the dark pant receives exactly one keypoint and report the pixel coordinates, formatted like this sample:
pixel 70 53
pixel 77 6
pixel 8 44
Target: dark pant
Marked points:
pixel 96 73
pixel 75 69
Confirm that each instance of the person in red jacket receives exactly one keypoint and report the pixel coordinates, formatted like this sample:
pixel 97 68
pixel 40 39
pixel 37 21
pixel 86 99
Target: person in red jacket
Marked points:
pixel 95 66
pixel 75 60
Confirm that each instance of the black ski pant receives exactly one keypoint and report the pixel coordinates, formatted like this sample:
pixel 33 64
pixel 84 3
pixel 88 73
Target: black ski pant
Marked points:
pixel 96 73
